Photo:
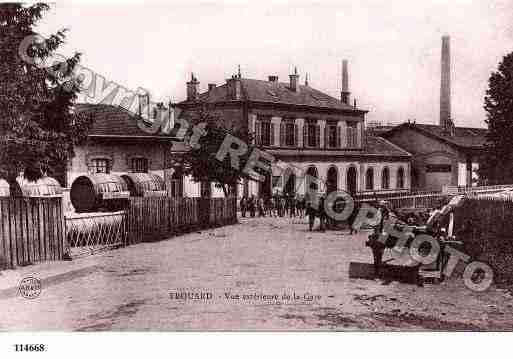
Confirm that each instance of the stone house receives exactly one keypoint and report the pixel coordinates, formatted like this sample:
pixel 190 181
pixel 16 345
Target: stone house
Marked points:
pixel 316 134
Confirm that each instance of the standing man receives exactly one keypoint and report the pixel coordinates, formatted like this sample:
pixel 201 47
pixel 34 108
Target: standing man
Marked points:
pixel 243 205
pixel 251 206
pixel 310 213
pixel 322 214
pixel 283 205
pixel 292 206
pixel 261 209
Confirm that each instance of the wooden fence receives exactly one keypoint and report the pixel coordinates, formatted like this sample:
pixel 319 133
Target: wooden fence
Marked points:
pixel 427 199
pixel 157 218
pixel 431 200
pixel 31 230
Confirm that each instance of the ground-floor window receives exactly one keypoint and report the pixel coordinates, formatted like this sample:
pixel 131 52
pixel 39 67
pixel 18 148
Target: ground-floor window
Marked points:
pixel 99 165
pixel 139 165
pixel 400 177
pixel 369 179
pixel 385 178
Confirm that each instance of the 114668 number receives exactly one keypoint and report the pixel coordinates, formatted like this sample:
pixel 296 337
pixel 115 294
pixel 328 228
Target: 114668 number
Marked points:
pixel 29 347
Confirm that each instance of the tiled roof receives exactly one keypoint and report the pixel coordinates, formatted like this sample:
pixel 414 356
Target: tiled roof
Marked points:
pixel 465 137
pixel 380 146
pixel 374 147
pixel 114 121
pixel 276 92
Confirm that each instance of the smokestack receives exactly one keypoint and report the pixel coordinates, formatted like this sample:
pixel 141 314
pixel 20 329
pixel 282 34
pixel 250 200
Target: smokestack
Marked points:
pixel 344 95
pixel 445 87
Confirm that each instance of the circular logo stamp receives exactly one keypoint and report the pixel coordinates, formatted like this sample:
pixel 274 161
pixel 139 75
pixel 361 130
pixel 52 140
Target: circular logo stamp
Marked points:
pixel 30 287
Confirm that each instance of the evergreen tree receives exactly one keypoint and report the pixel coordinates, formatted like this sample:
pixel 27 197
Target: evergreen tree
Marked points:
pixel 497 164
pixel 38 128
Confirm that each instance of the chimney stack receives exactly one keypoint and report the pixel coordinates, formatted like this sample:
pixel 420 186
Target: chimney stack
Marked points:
pixel 234 87
pixel 294 81
pixel 344 95
pixel 193 88
pixel 273 78
pixel 445 87
pixel 211 87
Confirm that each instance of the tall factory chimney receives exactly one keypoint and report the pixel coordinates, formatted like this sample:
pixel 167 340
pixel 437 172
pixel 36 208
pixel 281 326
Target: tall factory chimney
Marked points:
pixel 344 95
pixel 445 88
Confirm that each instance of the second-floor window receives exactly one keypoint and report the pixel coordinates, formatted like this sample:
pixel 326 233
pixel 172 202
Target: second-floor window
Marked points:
pixel 311 134
pixel 139 165
pixel 352 135
pixel 331 140
pixel 264 131
pixel 290 129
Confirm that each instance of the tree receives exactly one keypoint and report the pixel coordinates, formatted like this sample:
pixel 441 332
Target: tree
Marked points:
pixel 497 164
pixel 38 128
pixel 200 162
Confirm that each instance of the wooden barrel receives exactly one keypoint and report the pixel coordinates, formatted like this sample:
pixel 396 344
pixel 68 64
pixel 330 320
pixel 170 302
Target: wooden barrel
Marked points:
pixel 145 184
pixel 4 188
pixel 43 187
pixel 98 192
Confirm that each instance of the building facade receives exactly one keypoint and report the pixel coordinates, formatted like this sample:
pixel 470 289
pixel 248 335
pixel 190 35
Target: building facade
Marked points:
pixel 311 132
pixel 441 157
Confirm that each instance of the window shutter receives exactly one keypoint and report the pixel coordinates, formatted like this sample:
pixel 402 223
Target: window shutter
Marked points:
pixel 317 135
pixel 258 131
pixel 282 134
pixel 296 135
pixel 271 135
pixel 339 137
pixel 305 135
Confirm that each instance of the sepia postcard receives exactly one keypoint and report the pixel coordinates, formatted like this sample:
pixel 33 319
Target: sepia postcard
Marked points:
pixel 265 166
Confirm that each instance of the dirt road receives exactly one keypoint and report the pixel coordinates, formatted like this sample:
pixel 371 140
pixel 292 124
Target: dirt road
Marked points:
pixel 262 274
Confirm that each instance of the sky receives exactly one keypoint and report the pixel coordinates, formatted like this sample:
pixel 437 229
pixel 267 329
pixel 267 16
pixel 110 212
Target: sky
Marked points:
pixel 393 48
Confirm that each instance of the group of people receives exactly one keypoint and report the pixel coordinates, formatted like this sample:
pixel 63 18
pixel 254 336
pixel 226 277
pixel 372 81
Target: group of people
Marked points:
pixel 274 206
pixel 286 205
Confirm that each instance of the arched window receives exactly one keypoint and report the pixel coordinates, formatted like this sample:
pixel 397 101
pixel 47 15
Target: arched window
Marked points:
pixel 332 179
pixel 369 179
pixel 385 178
pixel 289 179
pixel 311 181
pixel 400 177
pixel 351 180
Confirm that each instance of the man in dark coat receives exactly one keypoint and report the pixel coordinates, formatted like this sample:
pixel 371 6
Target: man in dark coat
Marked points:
pixel 251 206
pixel 310 213
pixel 322 214
pixel 243 205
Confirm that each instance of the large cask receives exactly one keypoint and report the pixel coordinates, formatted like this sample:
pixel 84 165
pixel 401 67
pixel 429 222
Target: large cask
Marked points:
pixel 145 185
pixel 97 192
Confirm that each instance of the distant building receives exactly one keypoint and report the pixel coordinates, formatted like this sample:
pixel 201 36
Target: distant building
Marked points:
pixel 440 157
pixel 313 132
pixel 117 145
pixel 443 155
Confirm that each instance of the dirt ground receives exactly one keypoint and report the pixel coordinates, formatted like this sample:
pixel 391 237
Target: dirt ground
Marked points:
pixel 262 274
